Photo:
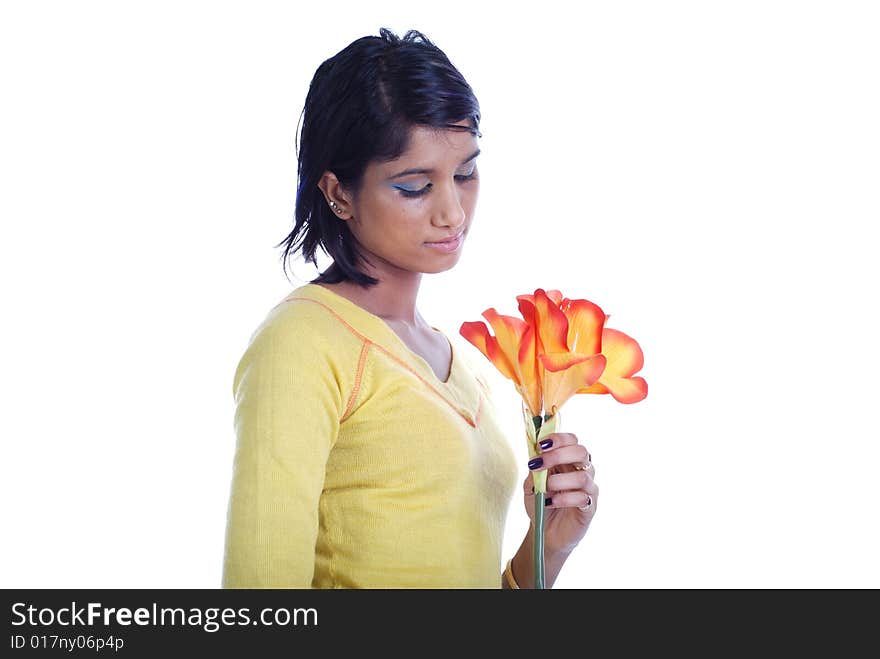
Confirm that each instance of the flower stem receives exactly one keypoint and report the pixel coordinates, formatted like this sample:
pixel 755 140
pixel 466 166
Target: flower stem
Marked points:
pixel 538 549
pixel 539 540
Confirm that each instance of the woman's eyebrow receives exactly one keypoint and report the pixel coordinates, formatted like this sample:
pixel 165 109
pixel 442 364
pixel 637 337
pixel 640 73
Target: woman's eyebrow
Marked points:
pixel 407 172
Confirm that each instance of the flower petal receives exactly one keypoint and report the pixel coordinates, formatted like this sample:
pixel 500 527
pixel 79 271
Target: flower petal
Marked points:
pixel 628 390
pixel 585 321
pixel 559 361
pixel 559 386
pixel 508 330
pixel 624 359
pixel 530 370
pixel 593 389
pixel 527 308
pixel 552 324
pixel 555 295
pixel 477 333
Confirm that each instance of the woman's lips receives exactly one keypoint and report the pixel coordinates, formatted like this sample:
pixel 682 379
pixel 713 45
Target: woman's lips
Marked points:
pixel 448 245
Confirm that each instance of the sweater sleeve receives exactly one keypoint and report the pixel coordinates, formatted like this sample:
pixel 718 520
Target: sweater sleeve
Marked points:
pixel 288 402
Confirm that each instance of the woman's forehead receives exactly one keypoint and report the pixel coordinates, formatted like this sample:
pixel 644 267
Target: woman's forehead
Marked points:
pixel 430 148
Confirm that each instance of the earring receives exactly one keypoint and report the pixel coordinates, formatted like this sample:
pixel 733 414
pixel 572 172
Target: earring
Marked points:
pixel 335 207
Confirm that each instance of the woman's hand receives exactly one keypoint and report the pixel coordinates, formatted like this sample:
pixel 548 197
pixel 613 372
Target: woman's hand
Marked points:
pixel 572 492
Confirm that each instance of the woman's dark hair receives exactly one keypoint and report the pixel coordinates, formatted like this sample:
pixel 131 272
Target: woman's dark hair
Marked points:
pixel 361 105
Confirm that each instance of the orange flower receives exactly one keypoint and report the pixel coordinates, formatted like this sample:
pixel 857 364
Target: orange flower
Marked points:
pixel 511 351
pixel 569 345
pixel 560 348
pixel 586 334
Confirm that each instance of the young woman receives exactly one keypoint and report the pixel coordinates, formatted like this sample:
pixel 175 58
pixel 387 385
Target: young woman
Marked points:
pixel 368 454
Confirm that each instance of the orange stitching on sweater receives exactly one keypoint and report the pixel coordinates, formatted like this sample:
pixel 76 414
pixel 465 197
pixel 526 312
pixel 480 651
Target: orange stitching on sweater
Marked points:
pixel 342 320
pixel 464 415
pixel 357 379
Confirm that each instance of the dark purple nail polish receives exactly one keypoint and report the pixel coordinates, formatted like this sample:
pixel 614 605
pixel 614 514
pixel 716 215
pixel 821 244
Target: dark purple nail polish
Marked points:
pixel 545 444
pixel 548 501
pixel 534 463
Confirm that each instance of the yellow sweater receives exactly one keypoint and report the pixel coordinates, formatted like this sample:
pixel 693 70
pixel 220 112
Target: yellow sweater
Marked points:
pixel 355 466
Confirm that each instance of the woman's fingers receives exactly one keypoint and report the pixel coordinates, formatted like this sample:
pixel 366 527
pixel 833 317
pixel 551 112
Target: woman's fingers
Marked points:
pixel 560 455
pixel 570 473
pixel 575 499
pixel 557 439
pixel 583 497
pixel 569 480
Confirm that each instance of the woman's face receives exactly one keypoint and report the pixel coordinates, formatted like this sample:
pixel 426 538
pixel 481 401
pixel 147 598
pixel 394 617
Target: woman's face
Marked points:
pixel 398 212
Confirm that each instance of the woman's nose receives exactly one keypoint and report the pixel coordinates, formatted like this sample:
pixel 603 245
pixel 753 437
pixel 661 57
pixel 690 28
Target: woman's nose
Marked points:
pixel 450 212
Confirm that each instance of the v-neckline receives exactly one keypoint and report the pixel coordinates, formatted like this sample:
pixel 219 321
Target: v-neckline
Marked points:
pixel 402 345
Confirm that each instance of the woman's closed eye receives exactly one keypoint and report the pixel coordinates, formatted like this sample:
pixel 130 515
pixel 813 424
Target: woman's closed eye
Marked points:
pixel 461 178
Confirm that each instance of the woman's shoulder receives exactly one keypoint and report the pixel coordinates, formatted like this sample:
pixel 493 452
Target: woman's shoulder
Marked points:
pixel 301 315
pixel 296 337
pixel 296 324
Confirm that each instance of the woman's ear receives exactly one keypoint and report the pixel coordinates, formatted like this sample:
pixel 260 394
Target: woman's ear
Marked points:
pixel 335 195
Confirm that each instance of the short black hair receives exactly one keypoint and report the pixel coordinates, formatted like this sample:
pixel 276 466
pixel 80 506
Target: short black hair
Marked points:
pixel 360 107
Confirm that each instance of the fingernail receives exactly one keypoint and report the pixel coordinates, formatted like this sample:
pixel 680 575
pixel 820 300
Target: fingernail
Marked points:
pixel 545 444
pixel 548 501
pixel 534 463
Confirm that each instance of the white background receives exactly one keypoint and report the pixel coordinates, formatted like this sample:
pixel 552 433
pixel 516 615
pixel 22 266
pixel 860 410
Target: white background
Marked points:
pixel 707 172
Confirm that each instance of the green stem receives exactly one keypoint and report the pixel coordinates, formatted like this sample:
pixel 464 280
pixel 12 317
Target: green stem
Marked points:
pixel 538 551
pixel 539 540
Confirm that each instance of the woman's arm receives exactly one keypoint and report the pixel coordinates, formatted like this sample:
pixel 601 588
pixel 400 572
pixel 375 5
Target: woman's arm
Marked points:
pixel 522 565
pixel 287 410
